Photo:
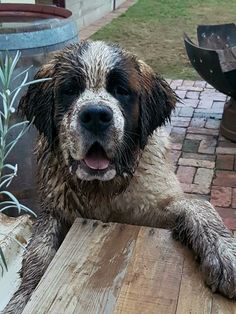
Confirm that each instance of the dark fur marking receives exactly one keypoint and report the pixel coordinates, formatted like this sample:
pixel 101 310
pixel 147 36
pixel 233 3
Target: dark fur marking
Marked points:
pixel 39 103
pixel 95 224
pixel 157 101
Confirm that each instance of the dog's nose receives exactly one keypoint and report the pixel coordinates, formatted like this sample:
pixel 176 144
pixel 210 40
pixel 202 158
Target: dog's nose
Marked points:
pixel 96 118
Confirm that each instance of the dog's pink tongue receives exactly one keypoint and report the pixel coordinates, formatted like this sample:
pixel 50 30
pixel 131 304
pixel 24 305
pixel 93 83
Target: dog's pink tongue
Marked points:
pixel 97 160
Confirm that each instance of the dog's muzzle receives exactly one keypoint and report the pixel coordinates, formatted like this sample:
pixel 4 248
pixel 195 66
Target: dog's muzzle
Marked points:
pixel 96 118
pixel 95 130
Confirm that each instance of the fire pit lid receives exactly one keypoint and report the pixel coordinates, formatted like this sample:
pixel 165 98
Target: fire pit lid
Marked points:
pixel 215 56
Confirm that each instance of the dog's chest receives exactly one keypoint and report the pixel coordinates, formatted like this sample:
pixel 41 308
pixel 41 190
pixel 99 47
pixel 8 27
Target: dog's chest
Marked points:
pixel 147 194
pixel 139 204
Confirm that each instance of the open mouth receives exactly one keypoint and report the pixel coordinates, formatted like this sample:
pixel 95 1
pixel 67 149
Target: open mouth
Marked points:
pixel 96 158
pixel 95 162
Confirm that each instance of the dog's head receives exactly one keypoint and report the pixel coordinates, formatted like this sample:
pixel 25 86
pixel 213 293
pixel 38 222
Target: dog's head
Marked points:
pixel 98 109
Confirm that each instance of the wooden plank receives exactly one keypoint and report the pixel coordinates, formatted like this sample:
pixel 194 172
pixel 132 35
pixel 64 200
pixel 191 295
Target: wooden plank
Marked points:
pixel 114 268
pixel 152 282
pixel 221 305
pixel 86 274
pixel 194 296
pixel 102 288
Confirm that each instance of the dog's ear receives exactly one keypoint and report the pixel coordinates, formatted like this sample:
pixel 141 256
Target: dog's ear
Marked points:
pixel 37 104
pixel 157 100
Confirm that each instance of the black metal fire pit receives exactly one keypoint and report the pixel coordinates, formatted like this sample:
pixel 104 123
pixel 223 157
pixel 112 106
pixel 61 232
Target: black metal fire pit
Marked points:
pixel 214 58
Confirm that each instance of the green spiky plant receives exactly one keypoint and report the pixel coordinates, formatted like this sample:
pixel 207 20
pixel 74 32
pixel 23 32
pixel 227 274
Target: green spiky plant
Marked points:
pixel 8 97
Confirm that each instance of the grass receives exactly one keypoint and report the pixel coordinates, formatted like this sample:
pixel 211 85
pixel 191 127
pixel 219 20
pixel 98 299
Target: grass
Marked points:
pixel 153 29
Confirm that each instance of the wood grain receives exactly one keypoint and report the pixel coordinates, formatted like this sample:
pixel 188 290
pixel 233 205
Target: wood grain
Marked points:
pixel 113 268
pixel 222 305
pixel 194 296
pixel 87 271
pixel 154 274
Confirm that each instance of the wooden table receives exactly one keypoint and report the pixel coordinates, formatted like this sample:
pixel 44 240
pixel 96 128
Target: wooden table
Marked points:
pixel 114 268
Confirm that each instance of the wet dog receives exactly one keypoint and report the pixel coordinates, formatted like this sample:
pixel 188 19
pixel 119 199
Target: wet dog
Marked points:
pixel 101 154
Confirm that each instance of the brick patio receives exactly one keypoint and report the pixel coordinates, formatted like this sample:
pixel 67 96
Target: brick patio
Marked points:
pixel 205 162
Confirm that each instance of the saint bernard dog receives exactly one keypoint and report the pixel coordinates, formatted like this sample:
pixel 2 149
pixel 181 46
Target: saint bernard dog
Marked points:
pixel 101 154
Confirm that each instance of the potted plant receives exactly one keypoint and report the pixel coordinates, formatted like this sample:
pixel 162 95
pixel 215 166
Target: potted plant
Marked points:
pixel 14 232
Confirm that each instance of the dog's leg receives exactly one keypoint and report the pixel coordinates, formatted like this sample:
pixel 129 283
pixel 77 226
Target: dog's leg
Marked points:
pixel 200 227
pixel 47 236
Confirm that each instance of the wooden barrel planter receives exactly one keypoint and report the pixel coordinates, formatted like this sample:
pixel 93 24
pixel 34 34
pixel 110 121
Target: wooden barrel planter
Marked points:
pixel 37 31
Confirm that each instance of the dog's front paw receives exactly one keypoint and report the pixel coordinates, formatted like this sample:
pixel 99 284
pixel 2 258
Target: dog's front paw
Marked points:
pixel 219 267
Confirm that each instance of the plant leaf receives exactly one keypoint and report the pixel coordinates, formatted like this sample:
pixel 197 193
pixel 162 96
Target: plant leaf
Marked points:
pixel 13 205
pixel 13 198
pixel 11 145
pixel 14 62
pixel 3 258
pixel 17 125
pixel 2 269
pixel 21 73
pixel 9 166
pixel 7 181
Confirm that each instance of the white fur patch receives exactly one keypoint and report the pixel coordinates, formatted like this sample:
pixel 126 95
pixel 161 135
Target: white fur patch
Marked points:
pixel 95 97
pixel 83 175
pixel 98 60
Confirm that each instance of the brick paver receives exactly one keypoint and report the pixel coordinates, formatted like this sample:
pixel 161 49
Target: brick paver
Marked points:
pixel 186 174
pixel 221 196
pixel 198 163
pixel 205 161
pixel 204 177
pixel 225 162
pixel 234 198
pixel 191 146
pixel 228 215
pixel 225 178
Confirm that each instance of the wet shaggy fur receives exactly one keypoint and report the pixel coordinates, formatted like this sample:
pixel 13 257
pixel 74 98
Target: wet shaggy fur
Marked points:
pixel 138 187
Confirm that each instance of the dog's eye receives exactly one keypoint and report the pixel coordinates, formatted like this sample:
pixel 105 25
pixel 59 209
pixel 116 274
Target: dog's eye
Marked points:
pixel 69 90
pixel 119 90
